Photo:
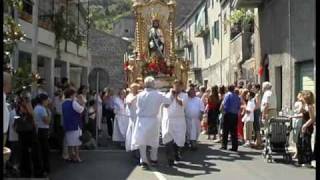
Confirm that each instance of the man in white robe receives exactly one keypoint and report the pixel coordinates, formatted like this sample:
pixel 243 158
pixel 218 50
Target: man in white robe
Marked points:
pixel 146 131
pixel 99 111
pixel 131 110
pixel 194 110
pixel 174 123
pixel 121 119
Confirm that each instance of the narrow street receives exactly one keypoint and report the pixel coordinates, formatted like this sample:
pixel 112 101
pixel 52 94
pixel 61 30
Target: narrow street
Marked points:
pixel 208 162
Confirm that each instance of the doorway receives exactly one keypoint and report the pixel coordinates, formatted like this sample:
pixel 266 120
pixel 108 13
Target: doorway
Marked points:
pixel 278 87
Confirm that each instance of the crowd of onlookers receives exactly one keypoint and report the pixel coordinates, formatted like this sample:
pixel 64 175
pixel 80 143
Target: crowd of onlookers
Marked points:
pixel 244 112
pixel 73 117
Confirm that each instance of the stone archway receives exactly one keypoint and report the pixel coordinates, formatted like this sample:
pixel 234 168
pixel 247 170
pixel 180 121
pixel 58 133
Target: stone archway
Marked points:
pixel 103 79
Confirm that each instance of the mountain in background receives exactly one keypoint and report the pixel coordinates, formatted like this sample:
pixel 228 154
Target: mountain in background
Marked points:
pixel 104 12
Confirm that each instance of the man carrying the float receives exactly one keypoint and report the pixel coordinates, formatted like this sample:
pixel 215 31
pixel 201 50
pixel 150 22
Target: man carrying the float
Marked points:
pixel 131 109
pixel 146 130
pixel 194 111
pixel 174 123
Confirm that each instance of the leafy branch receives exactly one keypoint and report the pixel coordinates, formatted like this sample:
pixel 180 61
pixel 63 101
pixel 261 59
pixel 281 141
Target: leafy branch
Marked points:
pixel 241 16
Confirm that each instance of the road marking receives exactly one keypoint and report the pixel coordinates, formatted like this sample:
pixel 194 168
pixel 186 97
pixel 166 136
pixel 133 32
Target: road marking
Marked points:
pixel 159 175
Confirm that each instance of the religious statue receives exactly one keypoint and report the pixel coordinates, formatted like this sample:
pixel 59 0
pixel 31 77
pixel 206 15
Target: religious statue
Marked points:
pixel 156 39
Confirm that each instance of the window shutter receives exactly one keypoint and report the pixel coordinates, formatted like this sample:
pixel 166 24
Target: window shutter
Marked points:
pixel 213 33
pixel 216 31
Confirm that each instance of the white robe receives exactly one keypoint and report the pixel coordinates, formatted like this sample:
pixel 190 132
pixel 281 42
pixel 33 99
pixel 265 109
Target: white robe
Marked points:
pixel 194 107
pixel 121 121
pixel 99 111
pixel 174 121
pixel 146 130
pixel 131 108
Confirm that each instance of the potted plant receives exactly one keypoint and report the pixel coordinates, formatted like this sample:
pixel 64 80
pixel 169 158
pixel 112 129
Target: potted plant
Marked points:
pixel 242 18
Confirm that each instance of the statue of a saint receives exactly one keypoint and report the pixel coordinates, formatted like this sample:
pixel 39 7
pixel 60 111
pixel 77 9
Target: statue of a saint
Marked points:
pixel 156 40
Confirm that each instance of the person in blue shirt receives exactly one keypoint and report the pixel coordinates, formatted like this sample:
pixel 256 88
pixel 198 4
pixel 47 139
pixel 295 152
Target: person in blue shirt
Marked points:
pixel 42 122
pixel 231 107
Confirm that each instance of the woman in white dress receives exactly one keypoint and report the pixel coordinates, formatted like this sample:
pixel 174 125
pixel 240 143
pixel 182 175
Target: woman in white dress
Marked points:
pixel 121 120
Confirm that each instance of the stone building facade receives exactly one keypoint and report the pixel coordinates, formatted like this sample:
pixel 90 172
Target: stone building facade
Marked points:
pixel 125 27
pixel 205 40
pixel 107 60
pixel 287 46
pixel 74 60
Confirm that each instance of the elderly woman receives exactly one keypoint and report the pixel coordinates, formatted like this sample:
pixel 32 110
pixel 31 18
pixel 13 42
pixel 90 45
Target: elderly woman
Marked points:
pixel 147 127
pixel 72 108
pixel 121 119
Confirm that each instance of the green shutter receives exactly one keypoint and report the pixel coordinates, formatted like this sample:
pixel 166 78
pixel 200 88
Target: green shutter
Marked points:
pixel 216 31
pixel 213 34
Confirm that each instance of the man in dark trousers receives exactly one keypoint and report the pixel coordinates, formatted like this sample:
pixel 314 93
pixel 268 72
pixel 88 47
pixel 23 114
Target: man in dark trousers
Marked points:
pixel 231 107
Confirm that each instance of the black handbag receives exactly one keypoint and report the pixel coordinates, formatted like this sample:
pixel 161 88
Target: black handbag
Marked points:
pixel 23 123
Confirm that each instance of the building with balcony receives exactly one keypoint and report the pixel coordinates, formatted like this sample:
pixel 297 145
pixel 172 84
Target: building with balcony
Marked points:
pixel 205 37
pixel 286 30
pixel 125 27
pixel 72 60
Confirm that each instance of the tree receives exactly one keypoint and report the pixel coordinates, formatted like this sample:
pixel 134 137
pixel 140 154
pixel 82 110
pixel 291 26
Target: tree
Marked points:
pixel 12 32
pixel 103 17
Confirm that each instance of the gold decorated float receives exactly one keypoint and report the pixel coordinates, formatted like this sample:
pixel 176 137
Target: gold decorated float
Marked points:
pixel 155 44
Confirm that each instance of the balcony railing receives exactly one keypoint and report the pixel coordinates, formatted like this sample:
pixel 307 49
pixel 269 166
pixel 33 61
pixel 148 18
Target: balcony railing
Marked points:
pixel 187 44
pixel 44 22
pixel 241 46
pixel 202 31
pixel 246 3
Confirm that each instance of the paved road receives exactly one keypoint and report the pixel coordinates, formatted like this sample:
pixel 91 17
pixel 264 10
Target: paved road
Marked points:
pixel 208 162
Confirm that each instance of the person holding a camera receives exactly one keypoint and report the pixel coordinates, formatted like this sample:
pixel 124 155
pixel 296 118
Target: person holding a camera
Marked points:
pixel 29 147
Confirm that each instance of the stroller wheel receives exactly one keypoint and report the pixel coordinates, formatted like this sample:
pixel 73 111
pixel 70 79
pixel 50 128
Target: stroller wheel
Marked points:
pixel 269 158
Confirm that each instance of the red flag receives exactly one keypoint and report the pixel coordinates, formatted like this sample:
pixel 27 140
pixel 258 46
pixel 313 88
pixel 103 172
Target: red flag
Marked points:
pixel 260 71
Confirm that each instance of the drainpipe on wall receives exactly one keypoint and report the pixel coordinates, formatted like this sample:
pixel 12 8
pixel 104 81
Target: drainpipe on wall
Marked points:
pixel 290 54
pixel 221 39
pixel 34 55
pixel 314 50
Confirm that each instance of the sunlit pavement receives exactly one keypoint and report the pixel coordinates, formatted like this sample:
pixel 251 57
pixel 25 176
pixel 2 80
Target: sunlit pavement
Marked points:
pixel 208 162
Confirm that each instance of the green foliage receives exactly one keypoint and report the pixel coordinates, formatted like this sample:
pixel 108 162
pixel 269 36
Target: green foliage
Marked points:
pixel 12 32
pixel 59 25
pixel 18 4
pixel 66 30
pixel 241 16
pixel 102 18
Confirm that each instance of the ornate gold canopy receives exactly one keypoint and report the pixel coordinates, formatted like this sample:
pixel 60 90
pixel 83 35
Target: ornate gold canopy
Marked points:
pixel 145 12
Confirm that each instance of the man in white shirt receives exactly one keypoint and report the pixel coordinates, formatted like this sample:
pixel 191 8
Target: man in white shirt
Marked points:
pixel 267 106
pixel 6 114
pixel 194 110
pixel 146 131
pixel 174 123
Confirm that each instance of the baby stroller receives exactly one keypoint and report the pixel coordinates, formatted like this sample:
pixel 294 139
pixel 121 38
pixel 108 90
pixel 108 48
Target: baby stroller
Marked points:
pixel 277 139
